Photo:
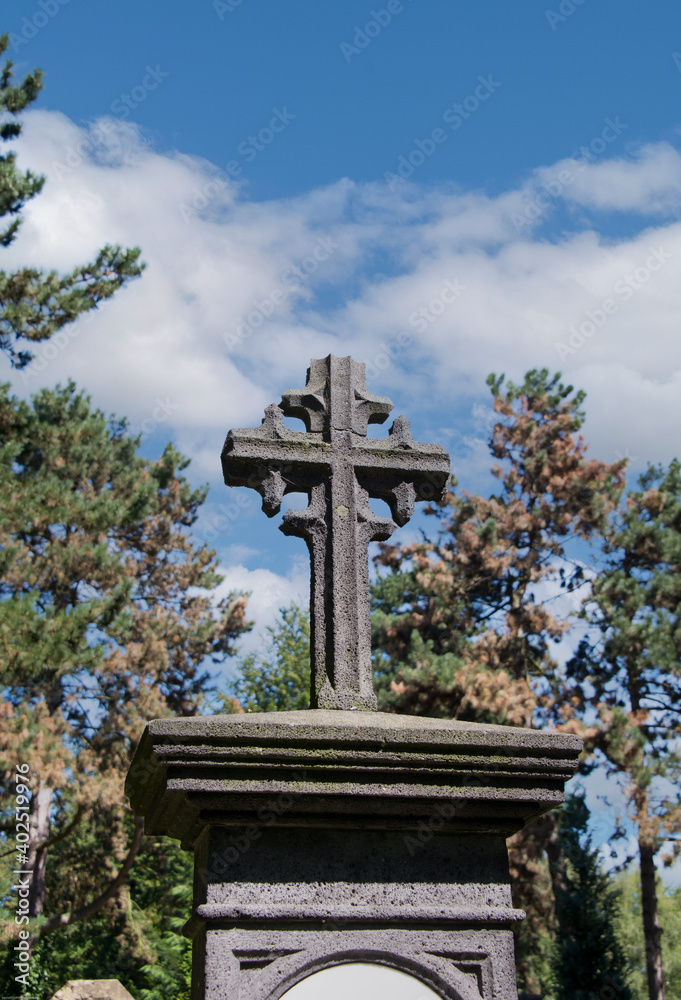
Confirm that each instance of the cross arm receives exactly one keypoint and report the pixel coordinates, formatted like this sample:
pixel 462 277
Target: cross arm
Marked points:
pixel 400 470
pixel 273 459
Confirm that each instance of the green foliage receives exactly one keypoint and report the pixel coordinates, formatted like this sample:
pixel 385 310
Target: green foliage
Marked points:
pixel 15 188
pixel 630 932
pixel 457 619
pixel 589 960
pixel 161 892
pixel 532 892
pixel 278 680
pixel 630 663
pixel 461 628
pixel 539 386
pixel 34 304
pixel 106 619
pixel 626 675
pixel 138 942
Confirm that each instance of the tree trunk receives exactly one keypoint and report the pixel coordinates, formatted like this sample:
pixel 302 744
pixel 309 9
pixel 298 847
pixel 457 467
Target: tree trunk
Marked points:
pixel 550 840
pixel 652 931
pixel 39 819
pixel 93 907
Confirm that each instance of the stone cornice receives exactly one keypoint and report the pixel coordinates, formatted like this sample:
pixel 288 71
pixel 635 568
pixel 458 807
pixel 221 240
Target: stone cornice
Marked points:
pixel 345 769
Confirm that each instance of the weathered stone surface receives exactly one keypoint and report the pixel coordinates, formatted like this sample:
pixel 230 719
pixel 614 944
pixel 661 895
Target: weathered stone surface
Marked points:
pixel 324 837
pixel 92 989
pixel 344 768
pixel 339 468
pixel 465 964
pixel 329 836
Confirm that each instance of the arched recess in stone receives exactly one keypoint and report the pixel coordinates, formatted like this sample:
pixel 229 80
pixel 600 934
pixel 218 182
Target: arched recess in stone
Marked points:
pixel 445 975
pixel 360 981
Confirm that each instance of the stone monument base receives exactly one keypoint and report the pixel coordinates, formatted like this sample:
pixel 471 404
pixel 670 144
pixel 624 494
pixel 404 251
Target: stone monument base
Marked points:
pixel 325 837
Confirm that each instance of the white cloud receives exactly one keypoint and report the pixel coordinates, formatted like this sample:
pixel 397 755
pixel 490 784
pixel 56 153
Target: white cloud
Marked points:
pixel 239 295
pixel 269 592
pixel 649 181
pixel 220 323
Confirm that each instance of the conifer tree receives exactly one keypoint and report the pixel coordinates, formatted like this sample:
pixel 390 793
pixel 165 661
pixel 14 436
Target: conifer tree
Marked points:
pixel 628 672
pixel 588 958
pixel 461 628
pixel 630 932
pixel 277 680
pixel 106 620
pixel 35 304
pixel 91 642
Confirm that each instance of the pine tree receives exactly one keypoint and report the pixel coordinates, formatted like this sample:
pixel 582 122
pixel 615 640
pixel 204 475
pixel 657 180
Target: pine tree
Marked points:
pixel 588 961
pixel 91 644
pixel 461 629
pixel 630 932
pixel 627 673
pixel 277 680
pixel 106 620
pixel 34 304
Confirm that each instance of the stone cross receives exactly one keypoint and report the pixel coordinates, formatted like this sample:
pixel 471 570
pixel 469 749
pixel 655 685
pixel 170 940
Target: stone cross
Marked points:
pixel 339 468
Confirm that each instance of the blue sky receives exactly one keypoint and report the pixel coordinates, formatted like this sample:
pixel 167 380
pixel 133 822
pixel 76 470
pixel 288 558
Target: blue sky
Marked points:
pixel 413 146
pixel 527 153
pixel 356 112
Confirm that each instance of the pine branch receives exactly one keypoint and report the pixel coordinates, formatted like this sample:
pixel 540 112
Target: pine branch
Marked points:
pixel 35 305
pixel 66 919
pixel 51 841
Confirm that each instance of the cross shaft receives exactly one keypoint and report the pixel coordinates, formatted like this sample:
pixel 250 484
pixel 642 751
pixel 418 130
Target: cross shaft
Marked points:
pixel 339 468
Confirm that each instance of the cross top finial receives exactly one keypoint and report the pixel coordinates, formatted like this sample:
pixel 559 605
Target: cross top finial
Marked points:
pixel 335 397
pixel 339 468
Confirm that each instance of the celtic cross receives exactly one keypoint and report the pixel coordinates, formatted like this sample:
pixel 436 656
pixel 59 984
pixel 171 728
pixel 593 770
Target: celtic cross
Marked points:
pixel 339 468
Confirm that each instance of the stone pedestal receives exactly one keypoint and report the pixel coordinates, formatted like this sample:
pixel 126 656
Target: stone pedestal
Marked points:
pixel 325 837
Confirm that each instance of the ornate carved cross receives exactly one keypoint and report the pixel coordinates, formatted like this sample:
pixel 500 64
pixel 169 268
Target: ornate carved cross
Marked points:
pixel 339 468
